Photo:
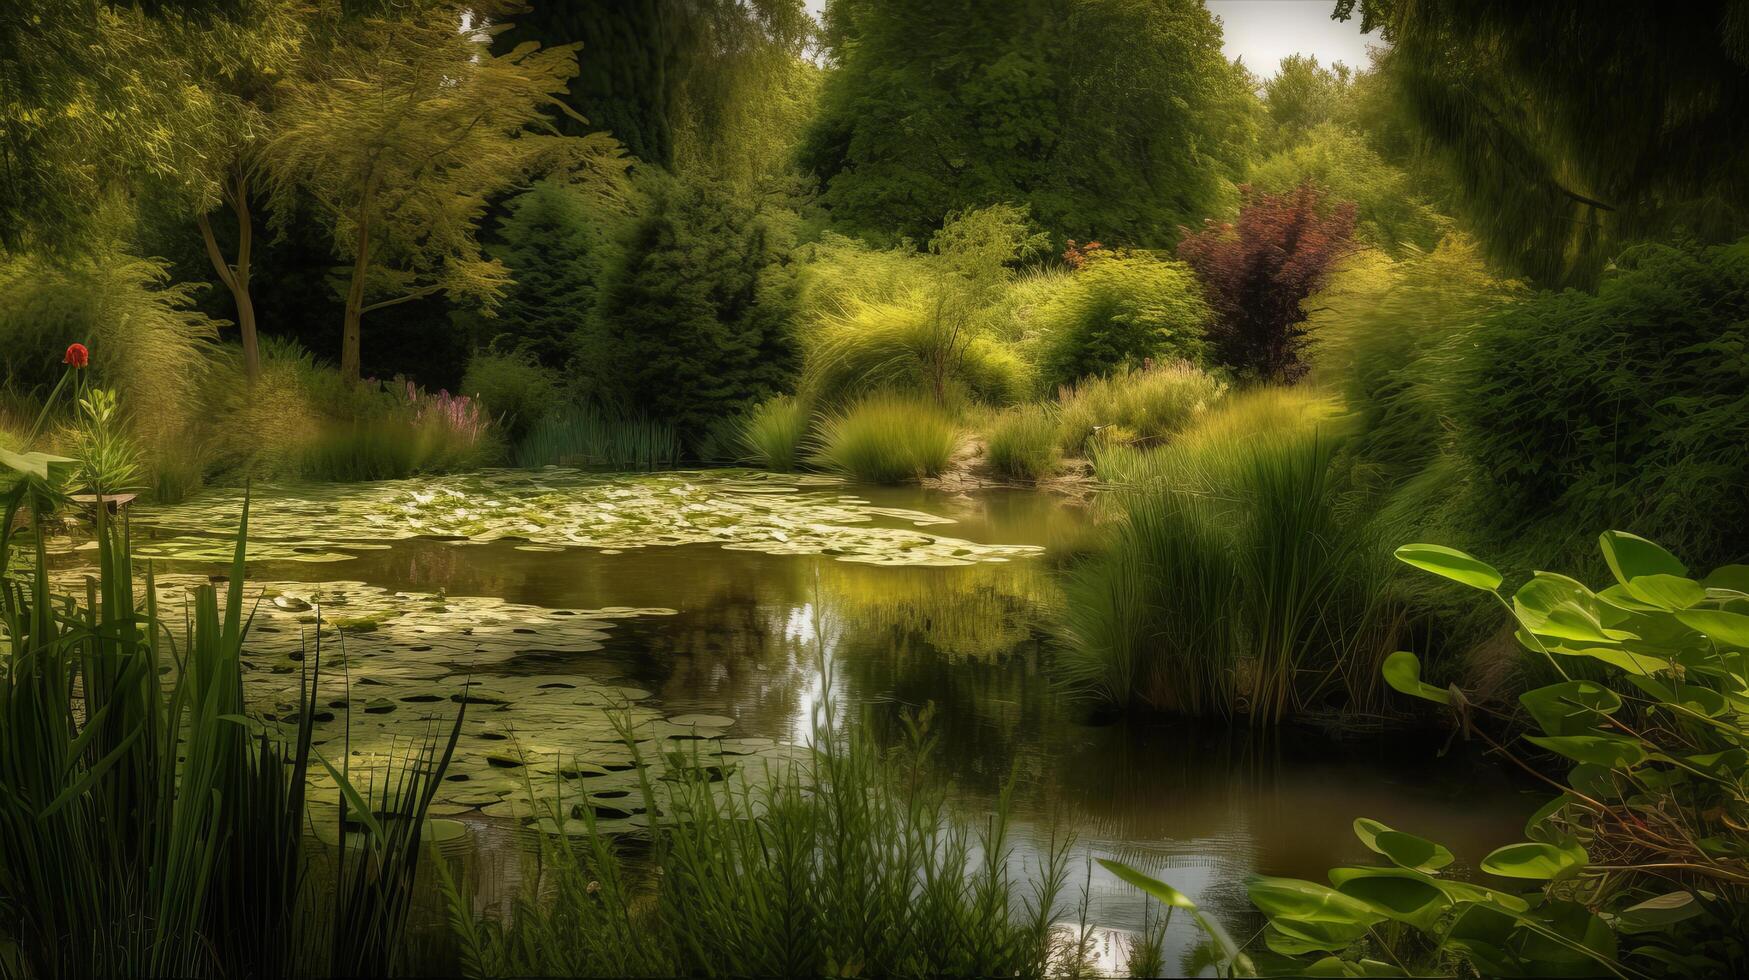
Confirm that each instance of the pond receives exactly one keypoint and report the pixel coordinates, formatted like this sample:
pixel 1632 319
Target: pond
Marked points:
pixel 728 605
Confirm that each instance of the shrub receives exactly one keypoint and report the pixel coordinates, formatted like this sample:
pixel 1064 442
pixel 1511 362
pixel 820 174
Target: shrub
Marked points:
pixel 1119 311
pixel 513 387
pixel 1148 406
pixel 1022 443
pixel 1626 408
pixel 772 433
pixel 1231 581
pixel 425 433
pixel 889 346
pixel 581 435
pixel 694 323
pixel 1256 274
pixel 887 439
pixel 260 430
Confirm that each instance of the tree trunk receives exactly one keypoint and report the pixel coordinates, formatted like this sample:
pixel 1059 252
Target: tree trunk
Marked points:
pixel 236 277
pixel 349 333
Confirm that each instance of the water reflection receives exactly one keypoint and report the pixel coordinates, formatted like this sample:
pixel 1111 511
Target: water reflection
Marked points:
pixel 759 637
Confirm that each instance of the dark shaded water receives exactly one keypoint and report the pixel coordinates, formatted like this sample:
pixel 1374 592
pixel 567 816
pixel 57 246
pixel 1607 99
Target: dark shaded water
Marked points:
pixel 1199 806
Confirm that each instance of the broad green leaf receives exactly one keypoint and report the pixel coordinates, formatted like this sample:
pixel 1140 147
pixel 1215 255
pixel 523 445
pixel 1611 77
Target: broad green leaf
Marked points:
pixel 1599 750
pixel 1402 670
pixel 1484 934
pixel 1631 556
pixel 1238 964
pixel 1419 903
pixel 1536 860
pixel 1695 698
pixel 1293 937
pixel 1164 893
pixel 1729 578
pixel 1555 605
pixel 1570 707
pixel 1726 628
pixel 44 466
pixel 1452 564
pixel 1404 850
pixel 1666 591
pixel 1633 663
pixel 1658 913
pixel 1308 902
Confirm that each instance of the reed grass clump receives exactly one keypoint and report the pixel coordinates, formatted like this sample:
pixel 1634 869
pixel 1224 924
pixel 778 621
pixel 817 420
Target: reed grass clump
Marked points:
pixel 1021 443
pixel 850 861
pixel 582 435
pixel 1233 582
pixel 773 433
pixel 887 439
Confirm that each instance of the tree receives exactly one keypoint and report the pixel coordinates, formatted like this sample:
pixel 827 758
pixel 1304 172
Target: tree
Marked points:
pixel 402 135
pixel 1570 130
pixel 1109 119
pixel 1257 273
pixel 1304 95
pixel 557 240
pixel 693 325
pixel 1340 163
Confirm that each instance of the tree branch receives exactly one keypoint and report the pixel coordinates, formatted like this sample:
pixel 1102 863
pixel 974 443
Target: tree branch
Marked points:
pixel 420 293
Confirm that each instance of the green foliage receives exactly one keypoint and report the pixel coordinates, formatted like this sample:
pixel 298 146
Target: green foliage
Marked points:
pixel 1141 407
pixel 887 439
pixel 109 461
pixel 1341 164
pixel 1567 140
pixel 581 435
pixel 1625 408
pixel 772 434
pixel 1303 96
pixel 1022 442
pixel 401 131
pixel 1119 311
pixel 922 323
pixel 513 388
pixel 146 343
pixel 851 860
pixel 693 325
pixel 932 108
pixel 557 240
pixel 1232 580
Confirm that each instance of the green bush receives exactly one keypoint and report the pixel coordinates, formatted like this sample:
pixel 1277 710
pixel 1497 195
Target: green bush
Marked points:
pixel 1146 407
pixel 513 387
pixel 1341 163
pixel 1624 408
pixel 693 324
pixel 772 433
pixel 1120 311
pixel 887 439
pixel 888 346
pixel 558 241
pixel 1022 443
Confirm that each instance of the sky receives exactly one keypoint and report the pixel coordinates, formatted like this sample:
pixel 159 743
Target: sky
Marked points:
pixel 1265 31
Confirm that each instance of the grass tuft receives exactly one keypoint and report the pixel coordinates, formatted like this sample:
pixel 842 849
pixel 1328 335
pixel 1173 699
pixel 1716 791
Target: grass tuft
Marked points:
pixel 772 434
pixel 888 439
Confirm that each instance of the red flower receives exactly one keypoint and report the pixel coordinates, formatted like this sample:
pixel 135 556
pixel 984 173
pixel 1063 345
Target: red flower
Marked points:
pixel 77 356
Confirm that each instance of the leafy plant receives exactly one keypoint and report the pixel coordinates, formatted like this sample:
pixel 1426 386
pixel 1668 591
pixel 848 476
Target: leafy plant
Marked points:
pixel 1119 311
pixel 513 387
pixel 1645 843
pixel 108 461
pixel 887 439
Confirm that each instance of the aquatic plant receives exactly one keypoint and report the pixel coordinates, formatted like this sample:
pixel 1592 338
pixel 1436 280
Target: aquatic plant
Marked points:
pixel 1644 843
pixel 1021 442
pixel 582 435
pixel 887 439
pixel 848 861
pixel 1232 580
pixel 109 462
pixel 772 434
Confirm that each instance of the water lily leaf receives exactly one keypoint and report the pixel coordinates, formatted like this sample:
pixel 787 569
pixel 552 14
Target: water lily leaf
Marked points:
pixel 1452 564
pixel 1725 628
pixel 1631 556
pixel 1536 860
pixel 1404 850
pixel 1402 670
pixel 1570 707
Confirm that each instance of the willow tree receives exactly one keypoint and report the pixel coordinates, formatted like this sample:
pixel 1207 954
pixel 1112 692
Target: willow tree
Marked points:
pixel 402 131
pixel 1571 130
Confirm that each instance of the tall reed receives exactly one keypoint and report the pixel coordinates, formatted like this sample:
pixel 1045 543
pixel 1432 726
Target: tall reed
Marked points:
pixel 582 435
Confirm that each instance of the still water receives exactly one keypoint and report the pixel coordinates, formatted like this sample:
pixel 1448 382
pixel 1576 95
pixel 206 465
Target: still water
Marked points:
pixel 752 599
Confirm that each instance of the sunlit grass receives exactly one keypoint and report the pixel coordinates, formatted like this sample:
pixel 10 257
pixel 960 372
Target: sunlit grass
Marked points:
pixel 773 432
pixel 888 439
